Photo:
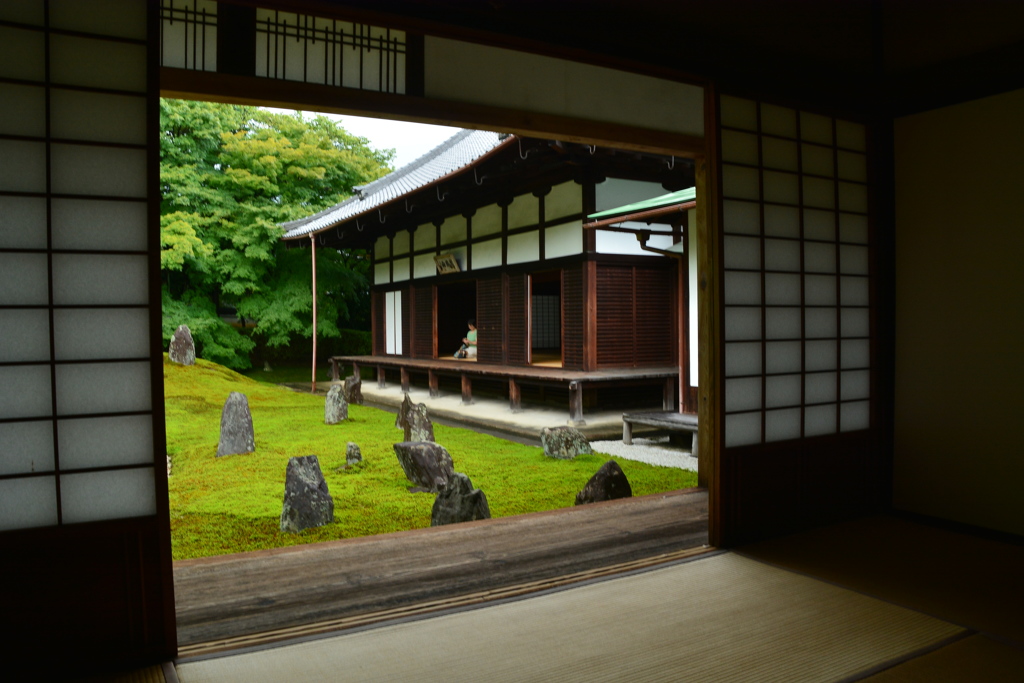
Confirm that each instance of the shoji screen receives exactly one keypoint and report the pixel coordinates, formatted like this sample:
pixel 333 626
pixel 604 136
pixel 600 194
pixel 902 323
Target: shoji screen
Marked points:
pixel 77 409
pixel 795 225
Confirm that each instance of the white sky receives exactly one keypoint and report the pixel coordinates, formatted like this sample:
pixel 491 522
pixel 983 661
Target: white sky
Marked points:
pixel 409 140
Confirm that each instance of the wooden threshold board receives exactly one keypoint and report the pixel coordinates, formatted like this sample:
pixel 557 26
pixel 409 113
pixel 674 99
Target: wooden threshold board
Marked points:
pixel 425 608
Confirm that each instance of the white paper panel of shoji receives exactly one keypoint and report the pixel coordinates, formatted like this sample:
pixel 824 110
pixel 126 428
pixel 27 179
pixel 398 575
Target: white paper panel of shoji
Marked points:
pixel 819 257
pixel 815 128
pixel 820 387
pixel 26 447
pixel 819 420
pixel 22 54
pixel 781 255
pixel 742 253
pixel 850 135
pixel 780 187
pixel 742 288
pixel 853 260
pixel 24 335
pixel 103 388
pixel 22 223
pixel 854 416
pixel 26 391
pixel 781 221
pixel 524 248
pixel 738 113
pixel 741 217
pixel 855 384
pixel 855 322
pixel 742 429
pixel 23 12
pixel 22 166
pixel 782 391
pixel 101 333
pixel 27 503
pixel 487 254
pixel 740 182
pixel 856 353
pixel 24 110
pixel 743 358
pixel 177 52
pixel 401 269
pixel 820 290
pixel 98 224
pixel 780 425
pixel 781 289
pixel 97 63
pixel 777 120
pixel 99 279
pixel 739 147
pixel 121 18
pixel 23 279
pixel 853 166
pixel 99 117
pixel 779 154
pixel 92 496
pixel 743 393
pixel 782 356
pixel 819 192
pixel 817 160
pixel 819 225
pixel 820 323
pixel 102 171
pixel 87 442
pixel 853 197
pixel 563 240
pixel 853 228
pixel 820 355
pixel 742 324
pixel 782 323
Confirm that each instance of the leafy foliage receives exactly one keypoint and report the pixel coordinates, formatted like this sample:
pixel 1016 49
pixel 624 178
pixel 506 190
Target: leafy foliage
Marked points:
pixel 229 175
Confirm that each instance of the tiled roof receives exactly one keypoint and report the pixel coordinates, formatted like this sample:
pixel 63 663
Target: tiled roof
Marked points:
pixel 458 151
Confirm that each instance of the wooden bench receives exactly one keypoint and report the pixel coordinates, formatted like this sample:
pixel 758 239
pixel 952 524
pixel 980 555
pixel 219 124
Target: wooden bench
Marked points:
pixel 574 380
pixel 674 423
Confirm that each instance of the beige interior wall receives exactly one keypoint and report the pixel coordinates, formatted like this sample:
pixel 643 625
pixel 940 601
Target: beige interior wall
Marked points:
pixel 959 438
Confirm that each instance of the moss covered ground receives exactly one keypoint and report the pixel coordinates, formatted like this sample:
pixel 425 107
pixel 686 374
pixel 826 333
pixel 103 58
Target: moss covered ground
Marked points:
pixel 233 503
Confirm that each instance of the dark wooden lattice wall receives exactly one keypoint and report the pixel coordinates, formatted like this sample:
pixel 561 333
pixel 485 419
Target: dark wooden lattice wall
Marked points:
pixel 423 322
pixel 518 329
pixel 573 318
pixel 489 320
pixel 635 316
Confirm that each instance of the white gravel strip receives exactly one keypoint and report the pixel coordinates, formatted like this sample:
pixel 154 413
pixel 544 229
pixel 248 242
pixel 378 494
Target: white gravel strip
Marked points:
pixel 653 451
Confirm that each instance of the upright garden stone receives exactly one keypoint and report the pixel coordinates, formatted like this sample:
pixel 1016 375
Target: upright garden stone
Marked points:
pixel 354 390
pixel 459 502
pixel 412 417
pixel 236 435
pixel 426 464
pixel 182 349
pixel 353 456
pixel 564 443
pixel 335 406
pixel 307 502
pixel 608 483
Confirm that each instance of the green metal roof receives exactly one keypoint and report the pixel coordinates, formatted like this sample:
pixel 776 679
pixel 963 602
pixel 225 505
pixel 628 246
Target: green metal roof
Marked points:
pixel 687 195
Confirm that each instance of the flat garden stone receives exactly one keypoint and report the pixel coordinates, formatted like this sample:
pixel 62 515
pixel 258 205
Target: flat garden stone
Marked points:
pixel 608 483
pixel 412 417
pixel 564 443
pixel 236 434
pixel 354 390
pixel 335 406
pixel 459 502
pixel 425 463
pixel 182 349
pixel 307 501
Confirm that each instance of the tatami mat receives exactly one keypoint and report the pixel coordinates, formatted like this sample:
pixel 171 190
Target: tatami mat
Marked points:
pixel 720 618
pixel 972 659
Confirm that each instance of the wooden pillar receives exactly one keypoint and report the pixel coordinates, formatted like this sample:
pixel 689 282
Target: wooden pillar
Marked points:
pixel 335 372
pixel 380 377
pixel 515 396
pixel 576 404
pixel 405 380
pixel 467 390
pixel 432 383
pixel 668 395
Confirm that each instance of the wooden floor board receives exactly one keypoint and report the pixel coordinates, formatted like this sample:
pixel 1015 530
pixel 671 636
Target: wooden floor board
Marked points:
pixel 233 595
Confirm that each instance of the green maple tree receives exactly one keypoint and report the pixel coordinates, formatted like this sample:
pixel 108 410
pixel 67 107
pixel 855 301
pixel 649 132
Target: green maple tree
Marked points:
pixel 229 175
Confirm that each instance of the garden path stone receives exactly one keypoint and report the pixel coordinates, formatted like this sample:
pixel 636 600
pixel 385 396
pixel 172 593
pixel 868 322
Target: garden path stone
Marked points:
pixel 353 456
pixel 354 390
pixel 307 501
pixel 412 417
pixel 182 349
pixel 608 483
pixel 564 443
pixel 236 434
pixel 426 464
pixel 459 502
pixel 335 406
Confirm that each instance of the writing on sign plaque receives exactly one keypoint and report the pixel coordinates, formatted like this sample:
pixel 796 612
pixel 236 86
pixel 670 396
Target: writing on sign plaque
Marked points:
pixel 446 264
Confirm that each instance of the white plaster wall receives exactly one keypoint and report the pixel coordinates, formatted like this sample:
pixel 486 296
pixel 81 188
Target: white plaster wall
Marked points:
pixel 959 327
pixel 691 258
pixel 382 248
pixel 487 221
pixel 563 240
pixel 524 210
pixel 381 273
pixel 401 270
pixel 487 254
pixel 401 244
pixel 615 192
pixel 480 74
pixel 453 230
pixel 524 247
pixel 563 200
pixel 424 266
pixel 425 237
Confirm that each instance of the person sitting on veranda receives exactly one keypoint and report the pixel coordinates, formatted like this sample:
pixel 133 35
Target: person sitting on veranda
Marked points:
pixel 468 348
